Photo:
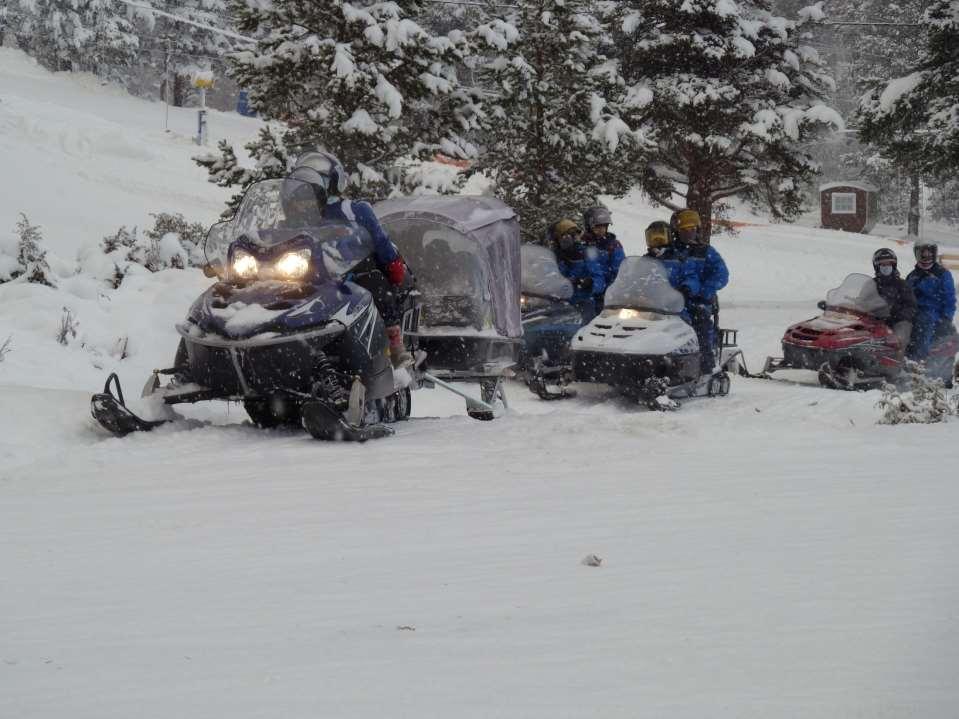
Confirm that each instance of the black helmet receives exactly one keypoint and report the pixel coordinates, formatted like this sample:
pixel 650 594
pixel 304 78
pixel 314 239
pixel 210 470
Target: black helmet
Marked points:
pixel 322 169
pixel 926 253
pixel 884 256
pixel 596 216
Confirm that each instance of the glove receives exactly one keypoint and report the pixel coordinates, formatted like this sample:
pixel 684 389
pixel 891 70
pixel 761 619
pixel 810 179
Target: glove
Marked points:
pixel 585 283
pixel 396 272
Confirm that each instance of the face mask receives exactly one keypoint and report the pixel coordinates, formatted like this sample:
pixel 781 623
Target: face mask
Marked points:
pixel 886 270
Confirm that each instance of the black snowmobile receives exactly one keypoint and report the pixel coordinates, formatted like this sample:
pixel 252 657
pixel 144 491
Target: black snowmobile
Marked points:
pixel 288 332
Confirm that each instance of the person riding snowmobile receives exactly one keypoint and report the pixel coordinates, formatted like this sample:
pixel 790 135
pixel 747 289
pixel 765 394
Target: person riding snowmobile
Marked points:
pixel 896 292
pixel 935 294
pixel 602 247
pixel 327 177
pixel 701 302
pixel 587 275
pixel 683 274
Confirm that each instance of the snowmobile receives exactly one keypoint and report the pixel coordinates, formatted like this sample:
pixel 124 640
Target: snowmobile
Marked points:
pixel 641 345
pixel 549 322
pixel 850 346
pixel 288 332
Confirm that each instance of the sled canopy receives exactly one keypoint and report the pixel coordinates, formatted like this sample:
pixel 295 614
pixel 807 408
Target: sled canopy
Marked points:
pixel 465 253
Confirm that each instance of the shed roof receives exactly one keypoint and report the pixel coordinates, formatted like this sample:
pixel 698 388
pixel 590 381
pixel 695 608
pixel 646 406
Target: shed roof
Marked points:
pixel 849 183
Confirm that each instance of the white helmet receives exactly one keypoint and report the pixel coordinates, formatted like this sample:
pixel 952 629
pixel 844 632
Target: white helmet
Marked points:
pixel 323 169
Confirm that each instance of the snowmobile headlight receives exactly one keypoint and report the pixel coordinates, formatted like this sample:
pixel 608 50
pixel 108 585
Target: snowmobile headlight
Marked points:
pixel 245 265
pixel 293 265
pixel 628 314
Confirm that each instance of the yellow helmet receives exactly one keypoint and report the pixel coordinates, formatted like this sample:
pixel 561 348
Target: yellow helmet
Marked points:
pixel 564 227
pixel 687 219
pixel 657 234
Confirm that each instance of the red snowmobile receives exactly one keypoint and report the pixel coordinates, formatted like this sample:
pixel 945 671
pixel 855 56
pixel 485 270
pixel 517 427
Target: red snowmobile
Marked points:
pixel 850 344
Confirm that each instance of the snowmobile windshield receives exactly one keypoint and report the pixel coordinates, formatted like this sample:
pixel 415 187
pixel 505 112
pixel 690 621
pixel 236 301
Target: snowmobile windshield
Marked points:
pixel 278 204
pixel 541 275
pixel 858 293
pixel 643 284
pixel 216 247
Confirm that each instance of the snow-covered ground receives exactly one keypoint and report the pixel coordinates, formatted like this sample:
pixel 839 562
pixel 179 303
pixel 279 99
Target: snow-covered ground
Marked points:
pixel 773 553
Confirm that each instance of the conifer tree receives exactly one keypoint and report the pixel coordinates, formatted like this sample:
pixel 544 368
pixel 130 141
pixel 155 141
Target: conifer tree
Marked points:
pixel 31 257
pixel 553 138
pixel 921 108
pixel 732 93
pixel 268 153
pixel 92 35
pixel 363 80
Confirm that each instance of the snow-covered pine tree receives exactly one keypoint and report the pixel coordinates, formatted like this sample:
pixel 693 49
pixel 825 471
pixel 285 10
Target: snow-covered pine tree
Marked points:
pixel 191 47
pixel 92 35
pixel 361 79
pixel 924 402
pixel 31 257
pixel 865 57
pixel 732 93
pixel 922 107
pixel 268 153
pixel 553 140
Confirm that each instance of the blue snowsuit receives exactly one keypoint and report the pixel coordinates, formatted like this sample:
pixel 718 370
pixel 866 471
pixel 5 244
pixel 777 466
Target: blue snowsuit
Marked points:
pixel 935 307
pixel 362 214
pixel 385 295
pixel 684 274
pixel 592 266
pixel 701 302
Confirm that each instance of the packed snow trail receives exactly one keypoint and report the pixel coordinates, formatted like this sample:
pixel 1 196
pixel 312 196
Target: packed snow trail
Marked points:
pixel 772 553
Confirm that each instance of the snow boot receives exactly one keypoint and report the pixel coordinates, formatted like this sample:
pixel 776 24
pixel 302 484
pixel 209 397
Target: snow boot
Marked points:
pixel 398 354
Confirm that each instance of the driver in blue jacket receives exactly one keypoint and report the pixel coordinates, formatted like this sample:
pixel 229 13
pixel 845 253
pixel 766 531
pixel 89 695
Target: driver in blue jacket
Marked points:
pixel 701 302
pixel 325 174
pixel 935 301
pixel 587 276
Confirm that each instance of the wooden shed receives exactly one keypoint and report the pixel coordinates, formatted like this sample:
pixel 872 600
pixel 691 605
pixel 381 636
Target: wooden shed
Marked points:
pixel 849 206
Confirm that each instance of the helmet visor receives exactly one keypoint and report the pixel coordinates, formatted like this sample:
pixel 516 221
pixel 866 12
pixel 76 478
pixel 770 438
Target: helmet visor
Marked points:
pixel 312 176
pixel 657 238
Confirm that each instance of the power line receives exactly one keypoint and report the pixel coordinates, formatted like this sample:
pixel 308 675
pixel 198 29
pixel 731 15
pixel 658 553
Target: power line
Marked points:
pixel 180 18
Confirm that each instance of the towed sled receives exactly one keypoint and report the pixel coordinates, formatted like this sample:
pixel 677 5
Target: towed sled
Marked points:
pixel 850 345
pixel 640 344
pixel 550 321
pixel 289 332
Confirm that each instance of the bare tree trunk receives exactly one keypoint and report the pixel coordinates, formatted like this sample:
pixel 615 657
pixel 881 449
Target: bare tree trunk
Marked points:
pixel 913 217
pixel 698 198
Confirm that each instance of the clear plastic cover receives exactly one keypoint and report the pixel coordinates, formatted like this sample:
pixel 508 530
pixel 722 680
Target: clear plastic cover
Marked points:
pixel 858 293
pixel 450 274
pixel 541 275
pixel 643 284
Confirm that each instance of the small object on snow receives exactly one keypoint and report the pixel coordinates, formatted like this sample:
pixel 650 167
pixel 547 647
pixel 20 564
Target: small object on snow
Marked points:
pixel 758 411
pixel 592 560
pixel 406 628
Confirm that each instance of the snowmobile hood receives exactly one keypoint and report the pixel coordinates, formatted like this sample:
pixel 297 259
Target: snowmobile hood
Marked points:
pixel 272 309
pixel 642 334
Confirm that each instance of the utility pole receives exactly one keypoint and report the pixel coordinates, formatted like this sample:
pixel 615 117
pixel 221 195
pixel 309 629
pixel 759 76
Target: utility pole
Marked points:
pixel 167 88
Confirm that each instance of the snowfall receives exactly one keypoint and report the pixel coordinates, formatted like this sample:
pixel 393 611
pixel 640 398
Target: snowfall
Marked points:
pixel 773 553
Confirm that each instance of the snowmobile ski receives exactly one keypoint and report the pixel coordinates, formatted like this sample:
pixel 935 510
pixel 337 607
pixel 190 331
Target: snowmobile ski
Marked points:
pixel 110 411
pixel 323 422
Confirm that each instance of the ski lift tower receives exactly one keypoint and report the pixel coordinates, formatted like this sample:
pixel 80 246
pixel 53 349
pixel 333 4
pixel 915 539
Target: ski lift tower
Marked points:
pixel 202 81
